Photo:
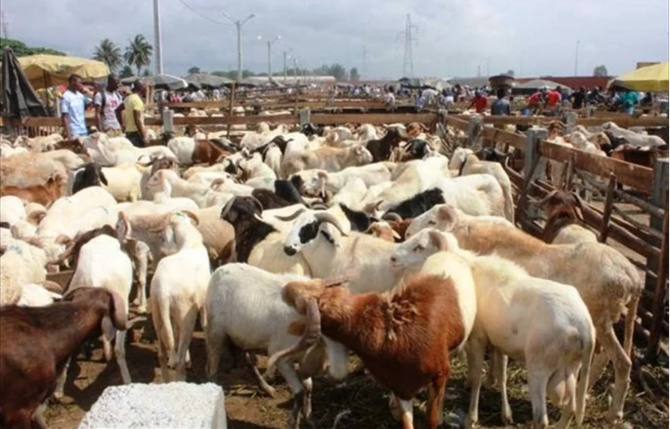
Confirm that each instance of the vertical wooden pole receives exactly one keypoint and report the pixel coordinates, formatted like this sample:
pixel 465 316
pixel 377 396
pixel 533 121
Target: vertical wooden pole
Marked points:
pixel 530 168
pixel 475 131
pixel 230 110
pixel 659 295
pixel 658 192
pixel 607 213
pixel 570 120
pixel 305 116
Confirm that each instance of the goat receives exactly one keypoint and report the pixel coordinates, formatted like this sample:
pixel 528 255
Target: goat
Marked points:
pixel 42 194
pixel 90 175
pixel 381 149
pixel 36 342
pixel 563 225
pixel 403 337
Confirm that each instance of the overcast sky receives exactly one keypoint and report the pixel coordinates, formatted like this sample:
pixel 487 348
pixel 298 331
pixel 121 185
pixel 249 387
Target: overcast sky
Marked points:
pixel 454 37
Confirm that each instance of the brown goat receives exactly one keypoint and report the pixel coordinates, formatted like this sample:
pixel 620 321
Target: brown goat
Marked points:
pixel 392 231
pixel 41 194
pixel 403 337
pixel 36 343
pixel 561 208
pixel 415 128
pixel 207 152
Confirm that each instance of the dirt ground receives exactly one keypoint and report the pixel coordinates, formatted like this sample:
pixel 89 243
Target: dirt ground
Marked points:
pixel 364 401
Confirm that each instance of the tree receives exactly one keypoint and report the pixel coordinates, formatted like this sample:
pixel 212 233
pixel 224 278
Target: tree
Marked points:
pixel 108 53
pixel 600 70
pixel 354 75
pixel 126 71
pixel 20 49
pixel 138 53
pixel 194 70
pixel 510 72
pixel 146 73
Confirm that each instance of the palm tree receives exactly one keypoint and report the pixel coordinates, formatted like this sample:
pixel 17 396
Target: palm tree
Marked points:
pixel 108 53
pixel 126 71
pixel 138 53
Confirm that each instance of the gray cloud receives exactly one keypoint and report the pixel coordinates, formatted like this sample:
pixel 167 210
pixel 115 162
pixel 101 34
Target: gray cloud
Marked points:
pixel 454 37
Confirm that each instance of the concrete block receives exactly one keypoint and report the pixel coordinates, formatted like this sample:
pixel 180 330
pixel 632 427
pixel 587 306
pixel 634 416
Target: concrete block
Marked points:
pixel 171 405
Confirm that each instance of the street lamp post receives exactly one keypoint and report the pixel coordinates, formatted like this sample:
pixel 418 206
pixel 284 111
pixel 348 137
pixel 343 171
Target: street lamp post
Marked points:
pixel 576 56
pixel 238 24
pixel 270 43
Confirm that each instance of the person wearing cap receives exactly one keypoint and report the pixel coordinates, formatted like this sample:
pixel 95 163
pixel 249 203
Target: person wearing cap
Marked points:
pixel 479 101
pixel 133 115
pixel 106 102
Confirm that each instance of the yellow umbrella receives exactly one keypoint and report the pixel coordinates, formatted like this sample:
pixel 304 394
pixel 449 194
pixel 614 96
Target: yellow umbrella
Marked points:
pixel 651 78
pixel 49 70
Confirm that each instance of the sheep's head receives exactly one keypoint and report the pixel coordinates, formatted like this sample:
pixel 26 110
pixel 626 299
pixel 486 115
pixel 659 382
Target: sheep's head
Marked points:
pixel 241 208
pixel 311 183
pixel 442 217
pixel 383 231
pixel 417 248
pixel 307 227
pixel 362 155
pixel 561 201
pixel 459 156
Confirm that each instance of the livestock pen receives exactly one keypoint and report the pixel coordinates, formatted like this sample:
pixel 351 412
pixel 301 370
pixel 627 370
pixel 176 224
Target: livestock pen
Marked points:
pixel 360 403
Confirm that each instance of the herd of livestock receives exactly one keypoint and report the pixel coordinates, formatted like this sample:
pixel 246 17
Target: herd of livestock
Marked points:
pixel 305 245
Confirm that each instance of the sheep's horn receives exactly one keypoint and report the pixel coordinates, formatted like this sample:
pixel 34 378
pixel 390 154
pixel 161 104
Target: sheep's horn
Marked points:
pixel 226 208
pixel 544 200
pixel 309 337
pixel 330 218
pixel 258 204
pixel 292 216
pixel 391 216
pixel 216 183
pixel 193 216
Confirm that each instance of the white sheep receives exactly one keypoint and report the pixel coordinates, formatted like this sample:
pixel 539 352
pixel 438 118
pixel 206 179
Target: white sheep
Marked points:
pixel 177 294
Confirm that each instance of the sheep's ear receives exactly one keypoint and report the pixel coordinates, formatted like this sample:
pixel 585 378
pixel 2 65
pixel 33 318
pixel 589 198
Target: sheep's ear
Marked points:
pixel 63 240
pixel 448 214
pixel 103 179
pixel 438 240
pixel 396 235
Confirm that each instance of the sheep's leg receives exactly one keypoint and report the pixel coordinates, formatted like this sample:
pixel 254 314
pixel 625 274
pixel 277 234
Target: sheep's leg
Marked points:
pixel 600 361
pixel 185 336
pixel 537 385
pixel 407 417
pixel 141 257
pixel 60 382
pixel 630 325
pixel 285 368
pixel 475 354
pixel 394 407
pixel 38 417
pixel 120 352
pixel 500 368
pixel 214 340
pixel 261 381
pixel 162 352
pixel 307 398
pixel 436 401
pixel 568 407
pixel 622 367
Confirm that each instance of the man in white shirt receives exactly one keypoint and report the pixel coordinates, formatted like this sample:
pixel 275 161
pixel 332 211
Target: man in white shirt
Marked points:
pixel 106 104
pixel 73 106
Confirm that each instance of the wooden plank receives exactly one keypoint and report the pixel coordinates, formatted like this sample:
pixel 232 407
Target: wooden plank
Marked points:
pixel 659 295
pixel 505 137
pixel 633 175
pixel 373 118
pixel 458 123
pixel 626 122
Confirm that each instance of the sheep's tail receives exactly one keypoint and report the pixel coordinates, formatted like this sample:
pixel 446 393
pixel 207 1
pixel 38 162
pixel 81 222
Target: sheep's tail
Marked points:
pixel 629 328
pixel 583 384
pixel 508 206
pixel 160 310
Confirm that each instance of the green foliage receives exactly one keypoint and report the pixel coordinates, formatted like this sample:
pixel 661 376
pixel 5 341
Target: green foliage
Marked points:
pixel 108 53
pixel 194 70
pixel 147 73
pixel 600 70
pixel 510 72
pixel 22 50
pixel 138 53
pixel 126 71
pixel 354 75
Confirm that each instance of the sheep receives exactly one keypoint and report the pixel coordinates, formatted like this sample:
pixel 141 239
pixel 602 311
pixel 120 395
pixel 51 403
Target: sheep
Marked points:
pixel 244 304
pixel 634 139
pixel 177 294
pixel 469 164
pixel 563 224
pixel 44 194
pixel 39 143
pixel 392 231
pixel 441 217
pixel 381 149
pixel 117 150
pixel 189 150
pixel 327 158
pixel 12 210
pixel 102 263
pixel 20 264
pixel 606 291
pixel 203 196
pixel 36 168
pixel 35 295
pixel 90 175
pixel 543 323
pixel 36 343
pixel 317 182
pixel 403 337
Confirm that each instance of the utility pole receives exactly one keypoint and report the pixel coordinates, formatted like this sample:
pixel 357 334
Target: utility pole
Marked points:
pixel 408 60
pixel 5 25
pixel 285 69
pixel 238 24
pixel 488 66
pixel 269 44
pixel 365 62
pixel 157 38
pixel 576 56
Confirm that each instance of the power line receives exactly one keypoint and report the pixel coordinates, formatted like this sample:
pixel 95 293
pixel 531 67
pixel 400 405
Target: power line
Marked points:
pixel 408 60
pixel 205 17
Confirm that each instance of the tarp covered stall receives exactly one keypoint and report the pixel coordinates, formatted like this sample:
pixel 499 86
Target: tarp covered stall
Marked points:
pixel 535 85
pixel 44 71
pixel 651 78
pixel 207 80
pixel 19 99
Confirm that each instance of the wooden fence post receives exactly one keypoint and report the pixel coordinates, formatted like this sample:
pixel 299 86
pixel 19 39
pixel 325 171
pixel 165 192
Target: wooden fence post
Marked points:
pixel 607 211
pixel 305 115
pixel 590 111
pixel 475 129
pixel 659 199
pixel 570 120
pixel 230 109
pixel 168 120
pixel 531 170
pixel 663 106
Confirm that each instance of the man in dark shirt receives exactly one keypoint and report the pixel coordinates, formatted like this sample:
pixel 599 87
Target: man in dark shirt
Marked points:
pixel 500 106
pixel 578 98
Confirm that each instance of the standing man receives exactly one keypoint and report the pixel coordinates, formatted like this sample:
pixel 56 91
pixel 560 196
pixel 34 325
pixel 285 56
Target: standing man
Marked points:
pixel 578 98
pixel 133 115
pixel 500 106
pixel 479 101
pixel 106 102
pixel 554 99
pixel 73 106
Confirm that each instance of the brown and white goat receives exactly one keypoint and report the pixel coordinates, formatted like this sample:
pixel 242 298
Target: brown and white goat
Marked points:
pixel 41 194
pixel 403 337
pixel 563 212
pixel 36 342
